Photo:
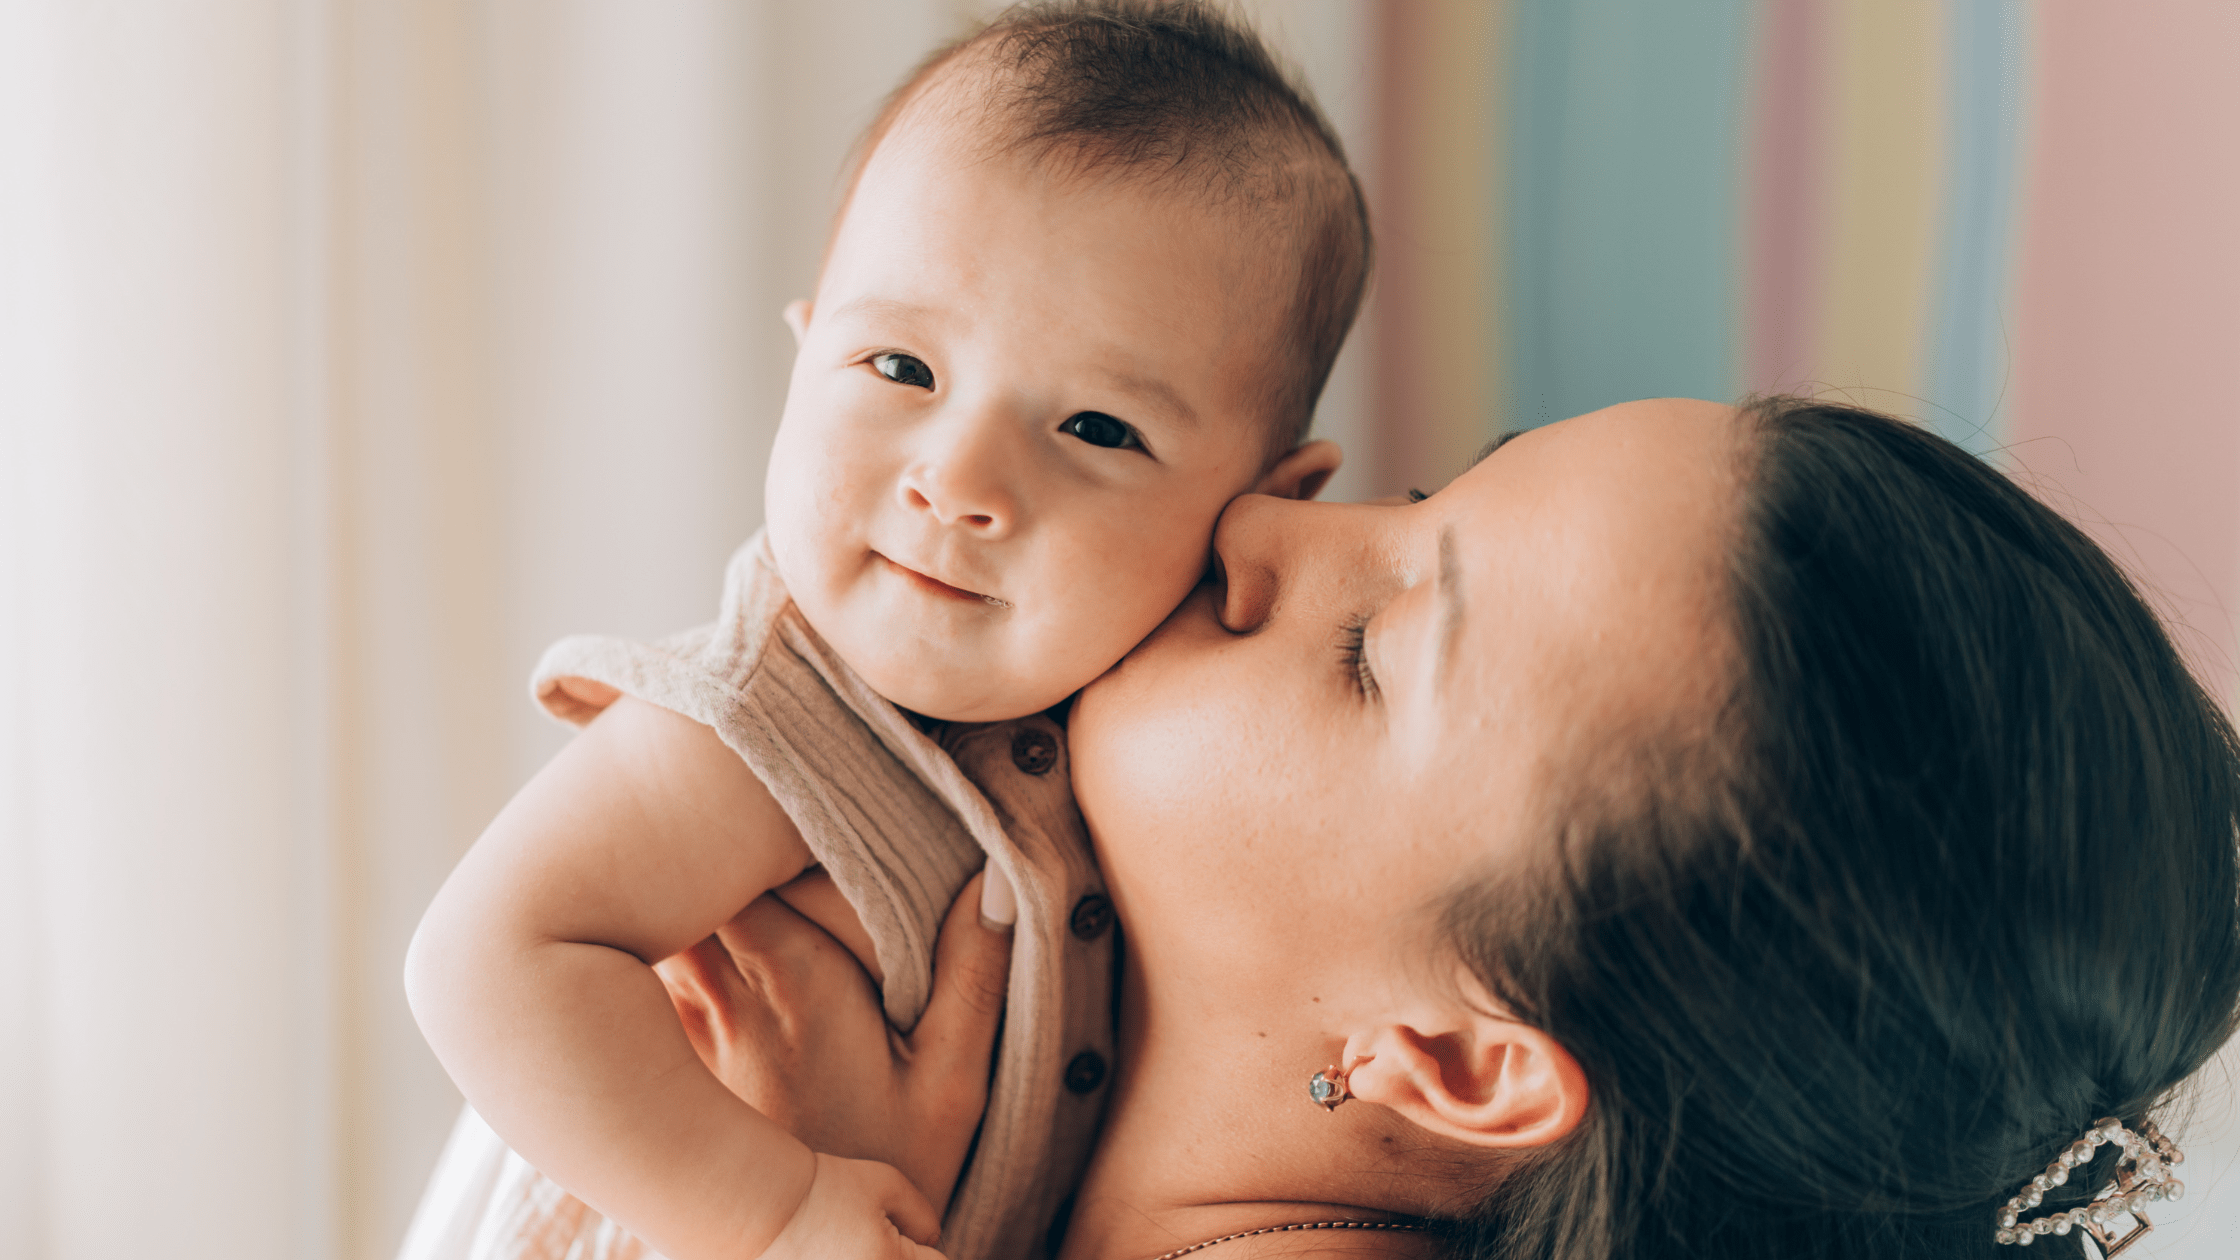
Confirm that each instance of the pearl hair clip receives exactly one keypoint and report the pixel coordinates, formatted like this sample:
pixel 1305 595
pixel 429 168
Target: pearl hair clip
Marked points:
pixel 2143 1176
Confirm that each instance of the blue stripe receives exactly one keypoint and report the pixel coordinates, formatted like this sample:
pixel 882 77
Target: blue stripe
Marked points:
pixel 1624 191
pixel 1969 359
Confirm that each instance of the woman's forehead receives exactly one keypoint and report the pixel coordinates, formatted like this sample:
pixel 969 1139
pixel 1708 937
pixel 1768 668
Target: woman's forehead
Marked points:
pixel 1638 486
pixel 1592 554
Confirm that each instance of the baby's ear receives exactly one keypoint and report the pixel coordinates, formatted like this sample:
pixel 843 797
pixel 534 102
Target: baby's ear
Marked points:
pixel 797 318
pixel 1303 473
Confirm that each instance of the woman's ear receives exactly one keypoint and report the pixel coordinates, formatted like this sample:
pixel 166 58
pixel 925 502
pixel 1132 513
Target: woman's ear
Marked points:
pixel 1476 1078
pixel 1302 473
pixel 797 318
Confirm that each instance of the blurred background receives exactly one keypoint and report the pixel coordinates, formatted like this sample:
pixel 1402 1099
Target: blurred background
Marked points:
pixel 352 350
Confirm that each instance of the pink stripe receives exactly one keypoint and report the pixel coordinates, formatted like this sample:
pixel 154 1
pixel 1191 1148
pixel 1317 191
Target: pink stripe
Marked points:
pixel 2128 328
pixel 1787 180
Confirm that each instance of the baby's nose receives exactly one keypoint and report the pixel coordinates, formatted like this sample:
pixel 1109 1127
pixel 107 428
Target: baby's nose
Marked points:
pixel 953 506
pixel 965 483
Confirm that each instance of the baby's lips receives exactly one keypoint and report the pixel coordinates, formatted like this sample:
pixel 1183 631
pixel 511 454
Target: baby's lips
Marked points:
pixel 938 586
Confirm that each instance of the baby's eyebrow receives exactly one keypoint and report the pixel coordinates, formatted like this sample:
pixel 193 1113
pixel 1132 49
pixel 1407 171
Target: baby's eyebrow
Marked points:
pixel 888 308
pixel 1156 392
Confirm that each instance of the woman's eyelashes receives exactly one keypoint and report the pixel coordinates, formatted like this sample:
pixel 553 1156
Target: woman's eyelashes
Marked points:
pixel 1098 429
pixel 903 369
pixel 1353 650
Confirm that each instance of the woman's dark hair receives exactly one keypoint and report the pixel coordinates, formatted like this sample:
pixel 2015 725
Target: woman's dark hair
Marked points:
pixel 1949 875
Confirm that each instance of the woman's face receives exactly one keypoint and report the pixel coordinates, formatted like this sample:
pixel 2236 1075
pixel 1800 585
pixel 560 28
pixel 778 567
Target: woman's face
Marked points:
pixel 1266 801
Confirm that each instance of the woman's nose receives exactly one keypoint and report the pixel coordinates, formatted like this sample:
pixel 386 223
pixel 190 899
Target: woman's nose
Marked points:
pixel 1279 554
pixel 964 476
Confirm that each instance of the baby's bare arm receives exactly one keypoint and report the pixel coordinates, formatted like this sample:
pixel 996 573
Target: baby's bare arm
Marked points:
pixel 531 977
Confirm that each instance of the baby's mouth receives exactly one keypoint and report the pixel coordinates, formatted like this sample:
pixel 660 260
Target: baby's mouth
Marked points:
pixel 935 586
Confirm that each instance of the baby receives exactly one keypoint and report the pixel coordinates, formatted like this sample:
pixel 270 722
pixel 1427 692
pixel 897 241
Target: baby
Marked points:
pixel 1088 280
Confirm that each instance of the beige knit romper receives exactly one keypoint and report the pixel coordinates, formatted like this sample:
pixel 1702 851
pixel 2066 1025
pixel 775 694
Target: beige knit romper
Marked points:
pixel 901 821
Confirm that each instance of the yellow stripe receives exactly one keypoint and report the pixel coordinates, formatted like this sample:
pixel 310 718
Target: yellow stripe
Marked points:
pixel 1460 203
pixel 1888 130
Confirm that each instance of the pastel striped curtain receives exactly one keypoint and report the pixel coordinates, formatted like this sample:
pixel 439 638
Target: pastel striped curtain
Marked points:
pixel 2013 221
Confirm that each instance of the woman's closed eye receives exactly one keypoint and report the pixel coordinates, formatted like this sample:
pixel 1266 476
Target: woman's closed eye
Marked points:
pixel 1098 429
pixel 903 369
pixel 1353 650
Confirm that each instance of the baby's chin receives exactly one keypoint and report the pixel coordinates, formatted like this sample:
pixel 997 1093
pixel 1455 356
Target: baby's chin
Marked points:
pixel 960 695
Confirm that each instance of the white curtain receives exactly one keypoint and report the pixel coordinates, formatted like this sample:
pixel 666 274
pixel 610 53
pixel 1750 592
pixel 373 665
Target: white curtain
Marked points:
pixel 350 351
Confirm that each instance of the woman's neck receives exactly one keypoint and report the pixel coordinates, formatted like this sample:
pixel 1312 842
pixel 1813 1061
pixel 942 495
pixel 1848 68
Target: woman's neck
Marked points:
pixel 1211 1132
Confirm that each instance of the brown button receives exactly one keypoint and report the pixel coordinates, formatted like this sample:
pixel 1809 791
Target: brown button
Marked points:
pixel 1033 750
pixel 1091 916
pixel 1086 1072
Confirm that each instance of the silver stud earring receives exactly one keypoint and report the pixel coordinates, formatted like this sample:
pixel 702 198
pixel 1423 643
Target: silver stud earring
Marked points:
pixel 1329 1087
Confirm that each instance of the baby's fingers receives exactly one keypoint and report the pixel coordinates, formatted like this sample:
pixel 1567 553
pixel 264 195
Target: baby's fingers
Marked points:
pixel 903 1203
pixel 858 1209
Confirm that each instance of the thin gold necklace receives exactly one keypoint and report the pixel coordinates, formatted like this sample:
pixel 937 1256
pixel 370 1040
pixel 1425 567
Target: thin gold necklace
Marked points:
pixel 1390 1226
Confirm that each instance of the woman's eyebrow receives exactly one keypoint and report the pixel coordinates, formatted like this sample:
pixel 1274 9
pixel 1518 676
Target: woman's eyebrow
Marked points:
pixel 1450 602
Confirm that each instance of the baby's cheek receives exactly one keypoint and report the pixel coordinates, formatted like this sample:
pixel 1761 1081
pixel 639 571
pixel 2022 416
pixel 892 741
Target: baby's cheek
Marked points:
pixel 1111 570
pixel 793 538
pixel 1144 581
pixel 1164 542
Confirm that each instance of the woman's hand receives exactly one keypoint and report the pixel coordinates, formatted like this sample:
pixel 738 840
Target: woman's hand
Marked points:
pixel 786 1017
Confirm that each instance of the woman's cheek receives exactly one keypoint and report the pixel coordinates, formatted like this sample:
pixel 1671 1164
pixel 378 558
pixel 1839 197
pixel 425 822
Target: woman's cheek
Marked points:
pixel 1135 745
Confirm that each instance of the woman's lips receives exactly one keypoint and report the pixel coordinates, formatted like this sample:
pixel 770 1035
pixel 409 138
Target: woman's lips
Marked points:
pixel 935 586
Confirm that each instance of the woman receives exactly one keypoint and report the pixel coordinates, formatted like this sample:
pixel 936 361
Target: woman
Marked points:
pixel 1695 831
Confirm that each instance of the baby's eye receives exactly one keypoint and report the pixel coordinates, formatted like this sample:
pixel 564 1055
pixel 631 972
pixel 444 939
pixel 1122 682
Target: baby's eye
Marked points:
pixel 904 369
pixel 1098 429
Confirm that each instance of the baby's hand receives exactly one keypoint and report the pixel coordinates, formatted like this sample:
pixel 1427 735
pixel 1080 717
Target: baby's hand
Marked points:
pixel 858 1210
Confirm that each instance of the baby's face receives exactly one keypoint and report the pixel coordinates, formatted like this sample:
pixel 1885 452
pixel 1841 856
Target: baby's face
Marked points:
pixel 1019 405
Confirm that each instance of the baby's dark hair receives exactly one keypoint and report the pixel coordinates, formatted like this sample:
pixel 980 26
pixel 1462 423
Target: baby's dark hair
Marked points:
pixel 1948 874
pixel 1177 93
